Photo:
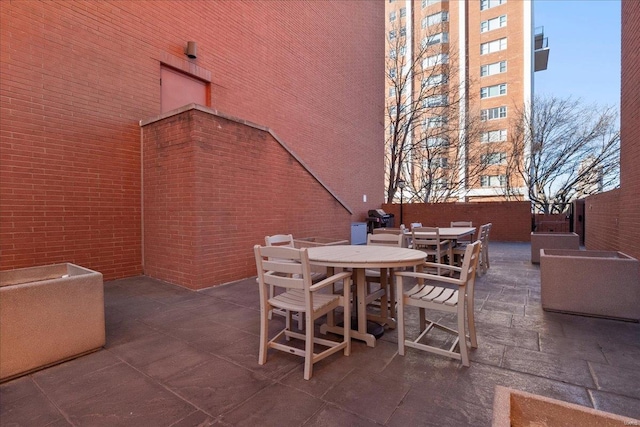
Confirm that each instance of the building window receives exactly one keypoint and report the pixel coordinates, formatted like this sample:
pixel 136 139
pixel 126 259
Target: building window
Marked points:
pixel 392 35
pixel 495 90
pixel 488 4
pixel 494 136
pixel 437 80
pixel 393 110
pixel 492 24
pixel 493 113
pixel 432 61
pixel 495 68
pixel 435 101
pixel 392 54
pixel 435 19
pixel 435 39
pixel 435 163
pixel 403 32
pixel 392 73
pixel 403 12
pixel 392 16
pixel 494 158
pixel 403 50
pixel 437 141
pixel 392 91
pixel 441 183
pixel 493 180
pixel 426 3
pixel 493 46
pixel 437 121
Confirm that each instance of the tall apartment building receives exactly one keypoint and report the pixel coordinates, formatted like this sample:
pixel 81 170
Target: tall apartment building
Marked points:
pixel 464 67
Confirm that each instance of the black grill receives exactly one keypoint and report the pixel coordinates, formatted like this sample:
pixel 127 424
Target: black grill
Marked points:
pixel 379 219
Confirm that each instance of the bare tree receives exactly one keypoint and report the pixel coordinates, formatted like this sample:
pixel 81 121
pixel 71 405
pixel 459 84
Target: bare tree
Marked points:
pixel 570 150
pixel 428 122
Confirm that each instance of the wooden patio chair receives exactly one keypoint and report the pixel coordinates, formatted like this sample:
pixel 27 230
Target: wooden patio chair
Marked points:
pixel 456 296
pixel 386 292
pixel 289 269
pixel 435 247
pixel 287 240
pixel 461 244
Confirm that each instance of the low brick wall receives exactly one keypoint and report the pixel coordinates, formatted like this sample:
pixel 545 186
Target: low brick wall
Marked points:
pixel 214 186
pixel 511 220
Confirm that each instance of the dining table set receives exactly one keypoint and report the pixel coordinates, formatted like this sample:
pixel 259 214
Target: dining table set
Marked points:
pixel 300 280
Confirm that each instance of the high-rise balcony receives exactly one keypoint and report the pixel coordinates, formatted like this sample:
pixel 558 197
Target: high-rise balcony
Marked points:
pixel 541 50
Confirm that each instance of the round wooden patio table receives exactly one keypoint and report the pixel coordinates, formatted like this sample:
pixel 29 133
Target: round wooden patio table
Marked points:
pixel 358 258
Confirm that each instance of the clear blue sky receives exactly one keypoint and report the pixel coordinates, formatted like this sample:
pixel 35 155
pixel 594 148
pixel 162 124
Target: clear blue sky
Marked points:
pixel 584 42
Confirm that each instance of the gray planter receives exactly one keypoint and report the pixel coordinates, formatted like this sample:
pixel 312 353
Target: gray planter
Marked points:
pixel 595 283
pixel 552 241
pixel 48 314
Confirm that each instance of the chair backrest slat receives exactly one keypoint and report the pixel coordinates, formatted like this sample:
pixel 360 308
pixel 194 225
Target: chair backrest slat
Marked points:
pixel 387 231
pixel 279 240
pixel 385 239
pixel 461 224
pixel 422 240
pixel 283 266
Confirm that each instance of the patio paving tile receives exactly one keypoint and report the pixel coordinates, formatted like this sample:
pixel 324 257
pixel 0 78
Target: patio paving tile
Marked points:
pixel 502 307
pixel 571 347
pixel 275 405
pixel 508 336
pixel 545 324
pixel 23 404
pixel 617 380
pixel 114 395
pixel 622 354
pixel 370 395
pixel 564 369
pixel 616 404
pixel 330 415
pixel 216 386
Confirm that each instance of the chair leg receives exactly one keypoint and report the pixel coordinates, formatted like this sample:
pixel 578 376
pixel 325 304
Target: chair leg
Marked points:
pixel 400 299
pixel 346 324
pixel 300 321
pixel 264 339
pixel 384 300
pixel 472 326
pixel 288 321
pixel 486 258
pixel 392 296
pixel 462 337
pixel 308 347
pixel 271 292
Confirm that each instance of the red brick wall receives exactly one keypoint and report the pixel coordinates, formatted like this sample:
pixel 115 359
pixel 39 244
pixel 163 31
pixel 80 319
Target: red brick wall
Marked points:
pixel 602 221
pixel 215 187
pixel 613 218
pixel 77 77
pixel 630 131
pixel 511 220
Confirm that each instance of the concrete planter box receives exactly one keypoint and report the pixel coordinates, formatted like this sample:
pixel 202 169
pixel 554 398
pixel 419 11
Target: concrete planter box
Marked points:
pixel 595 283
pixel 515 408
pixel 48 314
pixel 552 241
